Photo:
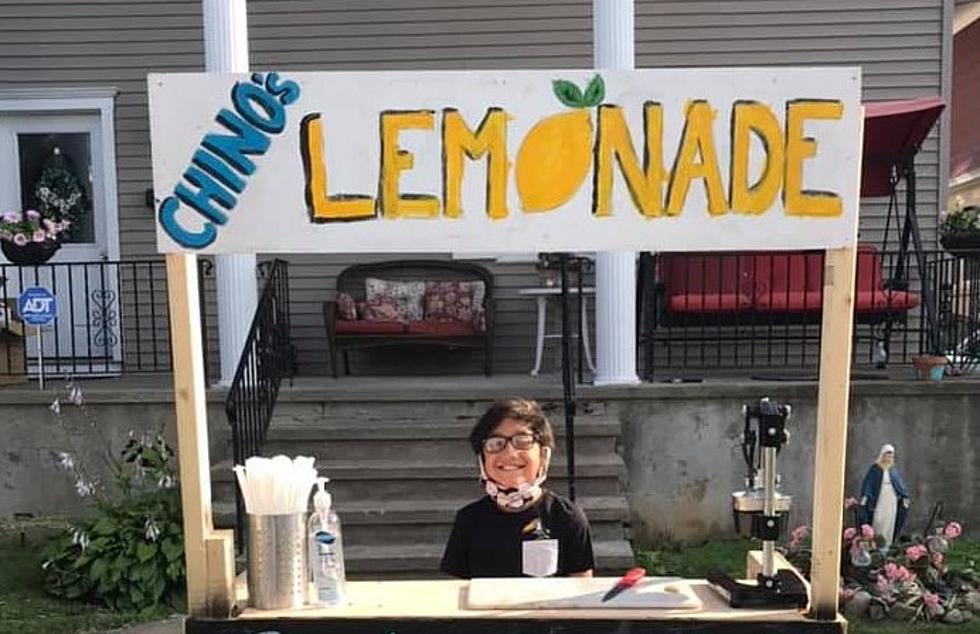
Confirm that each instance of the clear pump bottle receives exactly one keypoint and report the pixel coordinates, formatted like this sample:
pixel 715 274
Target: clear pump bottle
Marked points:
pixel 326 554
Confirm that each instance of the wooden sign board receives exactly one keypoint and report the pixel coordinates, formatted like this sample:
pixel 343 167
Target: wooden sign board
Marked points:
pixel 506 161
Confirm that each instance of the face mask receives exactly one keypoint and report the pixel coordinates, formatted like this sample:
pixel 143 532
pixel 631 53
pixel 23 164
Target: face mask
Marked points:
pixel 515 499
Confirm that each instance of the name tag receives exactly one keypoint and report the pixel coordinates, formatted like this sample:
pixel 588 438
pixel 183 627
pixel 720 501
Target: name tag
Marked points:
pixel 540 557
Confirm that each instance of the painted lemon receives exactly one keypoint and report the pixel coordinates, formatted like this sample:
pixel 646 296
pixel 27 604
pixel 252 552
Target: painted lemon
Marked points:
pixel 556 154
pixel 553 160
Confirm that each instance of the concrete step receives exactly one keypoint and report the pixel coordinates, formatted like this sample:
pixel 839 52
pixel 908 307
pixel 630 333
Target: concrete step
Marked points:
pixel 351 481
pixel 429 441
pixel 430 521
pixel 390 406
pixel 421 560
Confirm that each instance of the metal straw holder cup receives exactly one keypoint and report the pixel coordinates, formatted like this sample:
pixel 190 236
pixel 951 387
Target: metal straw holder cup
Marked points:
pixel 277 568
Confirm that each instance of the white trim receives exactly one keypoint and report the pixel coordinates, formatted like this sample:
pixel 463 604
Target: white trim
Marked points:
pixel 945 119
pixel 964 180
pixel 966 14
pixel 67 100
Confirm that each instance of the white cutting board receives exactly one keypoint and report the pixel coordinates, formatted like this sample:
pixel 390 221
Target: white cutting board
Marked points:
pixel 578 592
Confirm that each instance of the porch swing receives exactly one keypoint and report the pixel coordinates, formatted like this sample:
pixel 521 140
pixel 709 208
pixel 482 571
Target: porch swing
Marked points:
pixel 893 134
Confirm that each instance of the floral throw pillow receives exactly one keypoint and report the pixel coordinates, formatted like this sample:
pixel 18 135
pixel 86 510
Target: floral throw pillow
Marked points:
pixel 381 310
pixel 455 301
pixel 405 296
pixel 346 307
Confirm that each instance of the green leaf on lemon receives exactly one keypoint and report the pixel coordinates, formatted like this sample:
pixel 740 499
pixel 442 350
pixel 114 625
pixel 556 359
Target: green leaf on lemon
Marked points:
pixel 595 92
pixel 568 93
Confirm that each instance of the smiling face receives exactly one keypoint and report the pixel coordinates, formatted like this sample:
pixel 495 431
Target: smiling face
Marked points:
pixel 512 467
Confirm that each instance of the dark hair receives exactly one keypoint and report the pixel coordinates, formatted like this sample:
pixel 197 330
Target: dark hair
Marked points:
pixel 518 409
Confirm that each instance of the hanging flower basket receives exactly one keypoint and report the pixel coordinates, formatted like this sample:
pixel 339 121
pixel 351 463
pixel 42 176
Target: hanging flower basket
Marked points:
pixel 962 245
pixel 31 253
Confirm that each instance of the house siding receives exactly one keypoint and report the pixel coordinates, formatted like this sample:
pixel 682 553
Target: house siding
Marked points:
pixel 898 43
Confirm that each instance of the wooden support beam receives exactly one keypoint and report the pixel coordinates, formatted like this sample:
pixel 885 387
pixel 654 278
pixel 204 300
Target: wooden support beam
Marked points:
pixel 206 588
pixel 831 441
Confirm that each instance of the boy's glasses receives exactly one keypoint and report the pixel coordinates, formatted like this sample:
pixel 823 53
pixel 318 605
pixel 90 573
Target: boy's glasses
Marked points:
pixel 521 442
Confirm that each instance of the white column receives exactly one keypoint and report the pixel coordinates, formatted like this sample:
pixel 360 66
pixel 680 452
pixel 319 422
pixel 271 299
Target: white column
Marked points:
pixel 615 308
pixel 226 51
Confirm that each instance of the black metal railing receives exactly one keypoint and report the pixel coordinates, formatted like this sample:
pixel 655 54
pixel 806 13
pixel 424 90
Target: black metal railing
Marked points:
pixel 762 310
pixel 113 318
pixel 267 358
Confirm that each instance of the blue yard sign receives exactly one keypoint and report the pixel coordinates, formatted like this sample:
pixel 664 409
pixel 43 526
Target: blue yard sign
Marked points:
pixel 37 306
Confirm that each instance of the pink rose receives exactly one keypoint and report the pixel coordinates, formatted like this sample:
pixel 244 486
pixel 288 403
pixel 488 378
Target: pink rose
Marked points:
pixel 32 214
pixel 867 532
pixel 952 530
pixel 916 552
pixel 850 533
pixel 20 239
pixel 40 236
pixel 932 603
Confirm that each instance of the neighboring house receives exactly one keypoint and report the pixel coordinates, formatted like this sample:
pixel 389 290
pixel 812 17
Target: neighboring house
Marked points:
pixel 964 162
pixel 79 70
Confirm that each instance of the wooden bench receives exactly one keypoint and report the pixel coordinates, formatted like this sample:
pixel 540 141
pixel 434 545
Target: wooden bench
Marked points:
pixel 741 286
pixel 345 334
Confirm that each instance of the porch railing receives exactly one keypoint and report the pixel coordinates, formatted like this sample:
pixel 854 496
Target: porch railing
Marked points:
pixel 728 315
pixel 113 317
pixel 267 358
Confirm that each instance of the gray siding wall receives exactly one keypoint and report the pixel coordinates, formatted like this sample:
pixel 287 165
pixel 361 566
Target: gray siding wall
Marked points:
pixel 899 43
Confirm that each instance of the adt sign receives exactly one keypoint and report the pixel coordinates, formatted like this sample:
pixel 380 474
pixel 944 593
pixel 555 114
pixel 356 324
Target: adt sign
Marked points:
pixel 37 306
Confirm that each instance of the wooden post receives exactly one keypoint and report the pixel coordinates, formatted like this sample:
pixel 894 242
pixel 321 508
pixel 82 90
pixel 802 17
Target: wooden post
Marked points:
pixel 832 402
pixel 205 551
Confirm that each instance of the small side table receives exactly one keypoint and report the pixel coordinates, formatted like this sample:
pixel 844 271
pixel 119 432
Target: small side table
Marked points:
pixel 541 294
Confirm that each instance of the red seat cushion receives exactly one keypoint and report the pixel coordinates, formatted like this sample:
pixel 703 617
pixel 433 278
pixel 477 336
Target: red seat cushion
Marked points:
pixel 709 302
pixel 440 328
pixel 368 327
pixel 868 301
pixel 790 301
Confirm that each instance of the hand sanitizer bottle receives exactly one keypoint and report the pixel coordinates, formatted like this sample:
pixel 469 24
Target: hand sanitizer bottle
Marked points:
pixel 326 553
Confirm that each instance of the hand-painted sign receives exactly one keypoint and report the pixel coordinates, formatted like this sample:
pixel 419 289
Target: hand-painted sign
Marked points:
pixel 37 306
pixel 510 161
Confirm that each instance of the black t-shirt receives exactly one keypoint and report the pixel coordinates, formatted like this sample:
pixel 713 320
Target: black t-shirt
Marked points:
pixel 486 541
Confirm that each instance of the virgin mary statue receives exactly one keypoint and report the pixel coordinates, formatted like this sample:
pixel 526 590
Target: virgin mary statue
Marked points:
pixel 884 500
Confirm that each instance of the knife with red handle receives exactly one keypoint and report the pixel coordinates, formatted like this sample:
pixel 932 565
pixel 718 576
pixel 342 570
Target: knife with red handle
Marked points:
pixel 627 581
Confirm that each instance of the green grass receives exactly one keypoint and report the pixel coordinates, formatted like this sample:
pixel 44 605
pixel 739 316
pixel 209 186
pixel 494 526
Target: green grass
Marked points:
pixel 696 559
pixel 24 606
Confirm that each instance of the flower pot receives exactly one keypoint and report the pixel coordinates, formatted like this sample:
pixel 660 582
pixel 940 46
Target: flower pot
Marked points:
pixel 929 367
pixel 962 245
pixel 32 253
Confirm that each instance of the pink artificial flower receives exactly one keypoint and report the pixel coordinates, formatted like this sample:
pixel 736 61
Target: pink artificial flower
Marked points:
pixel 952 530
pixel 49 225
pixel 937 560
pixel 846 594
pixel 797 536
pixel 867 532
pixel 14 216
pixel 850 533
pixel 32 214
pixel 40 236
pixel 850 502
pixel 65 223
pixel 916 552
pixel 930 599
pixel 20 239
pixel 898 573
